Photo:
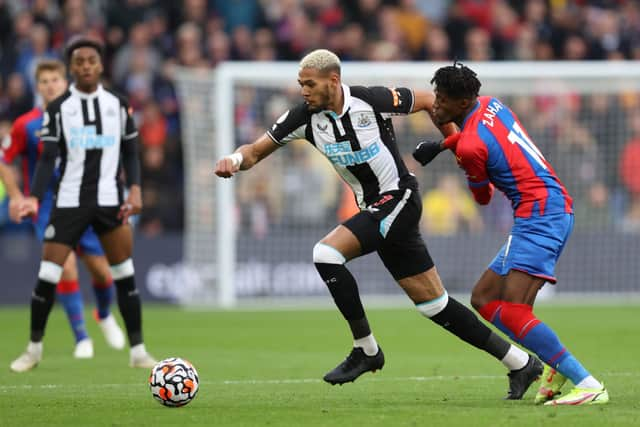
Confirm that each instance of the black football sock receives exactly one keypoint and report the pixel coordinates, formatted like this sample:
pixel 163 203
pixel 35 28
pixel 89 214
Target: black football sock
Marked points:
pixel 42 300
pixel 130 308
pixel 461 321
pixel 344 290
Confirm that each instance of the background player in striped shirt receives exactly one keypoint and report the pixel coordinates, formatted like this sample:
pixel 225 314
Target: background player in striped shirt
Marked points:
pixel 494 150
pixel 92 131
pixel 351 126
pixel 25 142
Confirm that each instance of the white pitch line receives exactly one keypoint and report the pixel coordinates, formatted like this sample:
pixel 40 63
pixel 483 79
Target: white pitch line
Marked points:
pixel 6 388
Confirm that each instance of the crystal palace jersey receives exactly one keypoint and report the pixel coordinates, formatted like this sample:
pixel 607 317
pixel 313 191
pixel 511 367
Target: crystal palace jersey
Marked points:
pixel 494 147
pixel 360 142
pixel 24 141
pixel 89 130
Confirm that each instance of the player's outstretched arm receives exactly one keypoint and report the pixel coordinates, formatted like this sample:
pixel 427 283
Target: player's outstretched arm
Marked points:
pixel 16 197
pixel 245 157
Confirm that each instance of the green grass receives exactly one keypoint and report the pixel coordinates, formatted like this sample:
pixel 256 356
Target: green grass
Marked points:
pixel 264 369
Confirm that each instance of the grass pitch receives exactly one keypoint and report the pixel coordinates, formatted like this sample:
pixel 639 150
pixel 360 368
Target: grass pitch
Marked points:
pixel 265 369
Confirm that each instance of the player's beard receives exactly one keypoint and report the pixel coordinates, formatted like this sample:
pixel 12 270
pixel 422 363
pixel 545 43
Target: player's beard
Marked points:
pixel 324 98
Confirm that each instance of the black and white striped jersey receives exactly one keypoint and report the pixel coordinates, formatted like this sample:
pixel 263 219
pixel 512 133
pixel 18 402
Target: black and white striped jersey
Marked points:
pixel 360 142
pixel 89 130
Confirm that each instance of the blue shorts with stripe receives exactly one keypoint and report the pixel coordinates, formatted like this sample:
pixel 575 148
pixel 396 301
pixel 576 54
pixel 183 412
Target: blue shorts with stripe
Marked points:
pixel 390 226
pixel 534 246
pixel 89 244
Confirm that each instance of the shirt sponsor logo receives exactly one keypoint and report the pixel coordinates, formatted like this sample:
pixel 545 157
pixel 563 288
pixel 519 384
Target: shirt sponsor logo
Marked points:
pixel 340 154
pixel 86 138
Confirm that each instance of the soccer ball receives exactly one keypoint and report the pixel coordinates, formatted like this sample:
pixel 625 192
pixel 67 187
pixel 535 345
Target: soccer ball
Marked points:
pixel 174 382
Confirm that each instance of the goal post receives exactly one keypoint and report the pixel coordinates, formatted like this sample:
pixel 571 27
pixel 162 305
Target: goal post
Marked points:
pixel 251 236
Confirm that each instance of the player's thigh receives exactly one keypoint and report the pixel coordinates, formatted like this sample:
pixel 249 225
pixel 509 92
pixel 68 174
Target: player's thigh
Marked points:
pixel 90 250
pixel 373 225
pixel 488 288
pixel 70 268
pixel 344 241
pixel 116 238
pixel 63 232
pixel 521 288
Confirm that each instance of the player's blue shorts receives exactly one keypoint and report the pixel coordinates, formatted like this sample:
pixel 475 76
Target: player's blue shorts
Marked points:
pixel 89 243
pixel 534 246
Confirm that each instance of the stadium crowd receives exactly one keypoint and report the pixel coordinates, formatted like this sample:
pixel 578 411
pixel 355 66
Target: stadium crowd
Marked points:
pixel 597 138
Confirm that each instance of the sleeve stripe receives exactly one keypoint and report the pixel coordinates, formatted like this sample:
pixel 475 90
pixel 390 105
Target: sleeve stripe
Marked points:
pixel 274 139
pixel 131 135
pixel 49 138
pixel 413 101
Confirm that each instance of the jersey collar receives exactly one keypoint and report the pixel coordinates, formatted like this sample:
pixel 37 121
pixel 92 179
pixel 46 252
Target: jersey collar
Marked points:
pixel 464 122
pixel 74 90
pixel 346 103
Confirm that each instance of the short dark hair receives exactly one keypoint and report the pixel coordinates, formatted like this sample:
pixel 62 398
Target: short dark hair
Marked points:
pixel 78 42
pixel 457 81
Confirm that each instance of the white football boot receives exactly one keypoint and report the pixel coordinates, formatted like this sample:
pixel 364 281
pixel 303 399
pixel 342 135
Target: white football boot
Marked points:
pixel 139 358
pixel 112 332
pixel 29 359
pixel 84 349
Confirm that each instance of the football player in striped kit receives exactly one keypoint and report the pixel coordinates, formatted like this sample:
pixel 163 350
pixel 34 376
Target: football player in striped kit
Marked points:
pixel 93 132
pixel 351 126
pixel 24 141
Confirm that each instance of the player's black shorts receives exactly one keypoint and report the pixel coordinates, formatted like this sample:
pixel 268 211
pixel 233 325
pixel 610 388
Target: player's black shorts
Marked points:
pixel 66 225
pixel 390 226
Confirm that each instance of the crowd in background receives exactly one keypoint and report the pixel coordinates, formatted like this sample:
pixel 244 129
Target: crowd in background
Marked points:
pixel 146 39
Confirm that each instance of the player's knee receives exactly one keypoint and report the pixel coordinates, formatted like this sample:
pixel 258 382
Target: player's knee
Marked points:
pixel 123 270
pixel 325 254
pixel 434 306
pixel 478 300
pixel 517 318
pixel 50 272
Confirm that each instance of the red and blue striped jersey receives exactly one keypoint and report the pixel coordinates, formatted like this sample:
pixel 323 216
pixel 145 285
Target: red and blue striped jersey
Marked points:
pixel 493 148
pixel 24 140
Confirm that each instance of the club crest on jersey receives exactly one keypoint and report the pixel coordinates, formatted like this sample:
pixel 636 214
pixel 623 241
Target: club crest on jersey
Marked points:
pixel 363 121
pixel 49 232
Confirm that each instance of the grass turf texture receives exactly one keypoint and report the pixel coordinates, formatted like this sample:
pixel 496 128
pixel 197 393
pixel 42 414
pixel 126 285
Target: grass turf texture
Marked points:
pixel 265 369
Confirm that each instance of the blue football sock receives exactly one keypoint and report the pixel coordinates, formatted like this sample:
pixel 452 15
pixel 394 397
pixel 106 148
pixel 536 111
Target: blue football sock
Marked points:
pixel 71 299
pixel 545 343
pixel 104 297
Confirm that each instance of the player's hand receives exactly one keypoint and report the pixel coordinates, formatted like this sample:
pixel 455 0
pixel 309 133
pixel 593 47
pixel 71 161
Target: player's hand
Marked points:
pixel 227 166
pixel 15 206
pixel 426 151
pixel 28 207
pixel 131 206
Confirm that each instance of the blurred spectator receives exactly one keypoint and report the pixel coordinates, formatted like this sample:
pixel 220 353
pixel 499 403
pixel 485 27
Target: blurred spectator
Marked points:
pixel 629 167
pixel 18 99
pixel 153 126
pixel 146 39
pixel 449 209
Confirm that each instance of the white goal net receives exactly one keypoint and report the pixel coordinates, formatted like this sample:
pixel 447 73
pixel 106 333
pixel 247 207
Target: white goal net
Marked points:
pixel 252 236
